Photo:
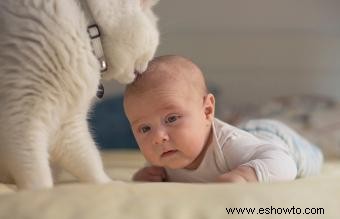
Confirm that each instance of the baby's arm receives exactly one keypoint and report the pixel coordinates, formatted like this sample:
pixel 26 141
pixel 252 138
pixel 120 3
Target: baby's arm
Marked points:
pixel 247 156
pixel 151 174
pixel 267 165
pixel 239 174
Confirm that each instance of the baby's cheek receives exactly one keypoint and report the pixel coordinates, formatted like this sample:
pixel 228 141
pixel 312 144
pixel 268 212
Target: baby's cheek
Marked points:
pixel 189 142
pixel 196 146
pixel 150 155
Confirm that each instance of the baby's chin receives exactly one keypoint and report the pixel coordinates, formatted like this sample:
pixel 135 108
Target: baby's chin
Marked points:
pixel 178 164
pixel 173 159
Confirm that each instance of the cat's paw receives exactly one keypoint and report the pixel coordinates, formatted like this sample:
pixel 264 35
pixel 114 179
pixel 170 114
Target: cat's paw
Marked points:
pixel 105 179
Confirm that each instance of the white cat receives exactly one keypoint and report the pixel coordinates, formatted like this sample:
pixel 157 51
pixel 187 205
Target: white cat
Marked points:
pixel 49 75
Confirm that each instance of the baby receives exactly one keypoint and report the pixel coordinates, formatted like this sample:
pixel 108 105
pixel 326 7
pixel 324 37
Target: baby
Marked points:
pixel 171 113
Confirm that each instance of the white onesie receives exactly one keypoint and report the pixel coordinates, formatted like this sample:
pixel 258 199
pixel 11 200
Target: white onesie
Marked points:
pixel 276 152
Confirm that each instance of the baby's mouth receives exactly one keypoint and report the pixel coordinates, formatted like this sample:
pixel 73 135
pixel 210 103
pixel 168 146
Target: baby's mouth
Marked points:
pixel 168 153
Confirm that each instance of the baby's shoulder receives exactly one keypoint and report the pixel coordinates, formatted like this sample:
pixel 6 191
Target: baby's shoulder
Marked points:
pixel 229 134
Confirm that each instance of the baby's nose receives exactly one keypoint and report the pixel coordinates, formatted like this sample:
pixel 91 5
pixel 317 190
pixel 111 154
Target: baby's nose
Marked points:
pixel 160 136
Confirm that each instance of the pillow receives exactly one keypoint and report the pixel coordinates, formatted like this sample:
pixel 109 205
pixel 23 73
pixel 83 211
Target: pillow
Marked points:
pixel 109 125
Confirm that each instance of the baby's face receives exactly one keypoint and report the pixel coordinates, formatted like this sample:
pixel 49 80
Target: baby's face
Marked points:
pixel 171 127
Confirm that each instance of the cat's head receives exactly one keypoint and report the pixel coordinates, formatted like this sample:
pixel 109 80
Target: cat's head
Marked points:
pixel 129 35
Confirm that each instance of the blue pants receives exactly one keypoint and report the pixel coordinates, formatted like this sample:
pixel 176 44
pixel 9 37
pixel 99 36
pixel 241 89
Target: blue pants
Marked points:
pixel 307 156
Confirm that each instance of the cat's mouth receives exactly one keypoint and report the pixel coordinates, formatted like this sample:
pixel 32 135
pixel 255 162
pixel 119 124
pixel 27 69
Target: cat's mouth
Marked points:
pixel 137 74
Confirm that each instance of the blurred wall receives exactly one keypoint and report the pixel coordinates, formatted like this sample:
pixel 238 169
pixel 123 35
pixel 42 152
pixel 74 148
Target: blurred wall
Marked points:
pixel 253 50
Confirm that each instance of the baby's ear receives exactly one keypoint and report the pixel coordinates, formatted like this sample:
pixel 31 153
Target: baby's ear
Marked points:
pixel 147 4
pixel 209 106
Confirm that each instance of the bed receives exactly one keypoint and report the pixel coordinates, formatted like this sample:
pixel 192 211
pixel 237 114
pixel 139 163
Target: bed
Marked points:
pixel 319 196
pixel 314 197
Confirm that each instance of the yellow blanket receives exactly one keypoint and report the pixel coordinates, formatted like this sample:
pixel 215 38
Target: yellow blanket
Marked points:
pixel 315 197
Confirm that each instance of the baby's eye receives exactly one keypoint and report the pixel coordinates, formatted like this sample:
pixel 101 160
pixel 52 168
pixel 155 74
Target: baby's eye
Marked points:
pixel 144 129
pixel 171 118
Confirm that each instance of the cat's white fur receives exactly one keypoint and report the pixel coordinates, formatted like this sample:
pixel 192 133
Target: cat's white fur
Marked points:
pixel 49 76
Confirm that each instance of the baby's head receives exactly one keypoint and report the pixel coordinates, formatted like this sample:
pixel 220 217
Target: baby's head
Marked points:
pixel 170 112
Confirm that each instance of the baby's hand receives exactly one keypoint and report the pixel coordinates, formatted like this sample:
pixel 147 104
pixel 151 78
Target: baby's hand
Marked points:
pixel 231 178
pixel 239 175
pixel 151 174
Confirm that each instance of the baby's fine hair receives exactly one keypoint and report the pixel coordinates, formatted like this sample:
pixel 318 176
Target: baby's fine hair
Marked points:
pixel 168 68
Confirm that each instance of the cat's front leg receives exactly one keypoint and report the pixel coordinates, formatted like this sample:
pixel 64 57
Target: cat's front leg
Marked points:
pixel 78 154
pixel 27 159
